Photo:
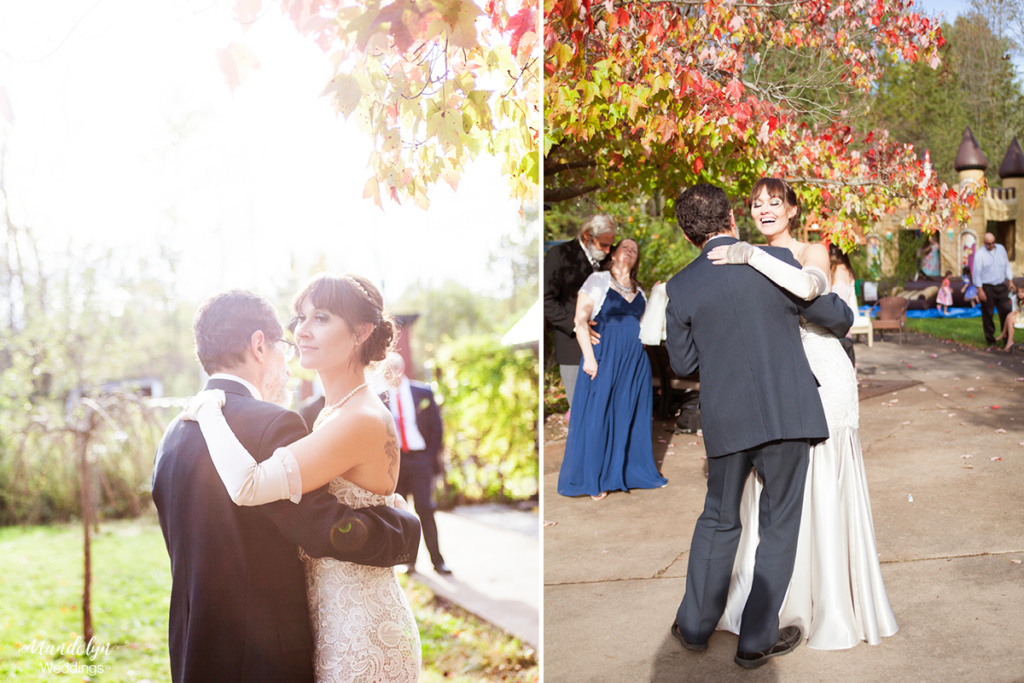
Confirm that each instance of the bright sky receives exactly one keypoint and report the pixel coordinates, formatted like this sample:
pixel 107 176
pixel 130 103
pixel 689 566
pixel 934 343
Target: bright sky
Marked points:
pixel 950 9
pixel 126 134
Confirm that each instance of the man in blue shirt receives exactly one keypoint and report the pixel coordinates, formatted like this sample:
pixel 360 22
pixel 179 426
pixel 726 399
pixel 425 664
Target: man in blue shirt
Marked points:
pixel 994 279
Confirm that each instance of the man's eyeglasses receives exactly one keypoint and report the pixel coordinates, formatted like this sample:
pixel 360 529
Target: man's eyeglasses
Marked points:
pixel 288 350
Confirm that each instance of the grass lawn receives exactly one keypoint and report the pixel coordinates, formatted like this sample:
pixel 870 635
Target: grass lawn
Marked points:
pixel 966 331
pixel 41 592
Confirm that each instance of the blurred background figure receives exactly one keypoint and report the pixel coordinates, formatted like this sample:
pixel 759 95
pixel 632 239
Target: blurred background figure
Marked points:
pixel 418 420
pixel 566 267
pixel 844 285
pixel 609 445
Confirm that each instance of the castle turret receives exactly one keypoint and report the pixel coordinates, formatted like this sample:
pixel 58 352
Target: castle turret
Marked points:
pixel 970 165
pixel 1012 173
pixel 970 157
pixel 1013 162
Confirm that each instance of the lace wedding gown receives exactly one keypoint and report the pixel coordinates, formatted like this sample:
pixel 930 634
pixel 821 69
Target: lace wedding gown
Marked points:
pixel 362 623
pixel 836 595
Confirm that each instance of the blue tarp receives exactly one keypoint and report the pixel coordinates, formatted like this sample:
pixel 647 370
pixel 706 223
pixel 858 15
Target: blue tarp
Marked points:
pixel 872 312
pixel 953 313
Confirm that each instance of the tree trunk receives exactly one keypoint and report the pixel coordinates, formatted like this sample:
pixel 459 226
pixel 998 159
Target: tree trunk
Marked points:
pixel 84 437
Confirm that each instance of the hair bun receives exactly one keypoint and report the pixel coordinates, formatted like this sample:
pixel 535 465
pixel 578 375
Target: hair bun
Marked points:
pixel 381 339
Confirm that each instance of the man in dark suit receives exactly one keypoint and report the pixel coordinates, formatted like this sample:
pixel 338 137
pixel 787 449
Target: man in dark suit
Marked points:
pixel 566 267
pixel 759 408
pixel 238 588
pixel 420 437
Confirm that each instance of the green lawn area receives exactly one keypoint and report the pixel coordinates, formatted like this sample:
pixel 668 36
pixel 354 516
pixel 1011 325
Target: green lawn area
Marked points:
pixel 41 593
pixel 966 331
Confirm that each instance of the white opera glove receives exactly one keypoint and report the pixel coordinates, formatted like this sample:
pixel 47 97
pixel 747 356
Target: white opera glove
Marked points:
pixel 247 481
pixel 807 283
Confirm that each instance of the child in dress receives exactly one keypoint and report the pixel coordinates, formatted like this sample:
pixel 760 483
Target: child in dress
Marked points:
pixel 969 291
pixel 945 298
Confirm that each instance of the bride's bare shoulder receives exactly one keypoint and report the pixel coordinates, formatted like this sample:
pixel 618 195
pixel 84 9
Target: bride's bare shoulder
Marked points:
pixel 365 419
pixel 812 254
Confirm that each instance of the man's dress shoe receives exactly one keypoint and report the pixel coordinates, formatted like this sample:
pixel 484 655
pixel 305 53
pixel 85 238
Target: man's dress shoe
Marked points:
pixel 789 639
pixel 696 647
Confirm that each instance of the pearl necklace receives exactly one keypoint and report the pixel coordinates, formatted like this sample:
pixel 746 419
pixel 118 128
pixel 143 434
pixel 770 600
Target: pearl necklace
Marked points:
pixel 325 413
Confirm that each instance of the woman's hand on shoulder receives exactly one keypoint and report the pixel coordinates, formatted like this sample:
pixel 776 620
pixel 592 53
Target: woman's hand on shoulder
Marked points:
pixel 208 398
pixel 735 253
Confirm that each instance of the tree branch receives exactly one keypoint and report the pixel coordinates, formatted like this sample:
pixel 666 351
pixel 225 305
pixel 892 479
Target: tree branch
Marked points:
pixel 562 194
pixel 552 169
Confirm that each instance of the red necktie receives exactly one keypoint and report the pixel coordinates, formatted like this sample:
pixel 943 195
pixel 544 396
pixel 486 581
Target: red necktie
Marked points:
pixel 401 422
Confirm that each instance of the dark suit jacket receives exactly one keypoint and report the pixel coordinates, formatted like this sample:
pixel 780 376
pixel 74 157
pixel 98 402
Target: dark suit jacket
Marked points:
pixel 428 421
pixel 566 268
pixel 741 331
pixel 238 592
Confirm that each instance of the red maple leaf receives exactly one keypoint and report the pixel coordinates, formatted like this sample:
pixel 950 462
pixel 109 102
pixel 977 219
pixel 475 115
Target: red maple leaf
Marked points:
pixel 735 89
pixel 522 23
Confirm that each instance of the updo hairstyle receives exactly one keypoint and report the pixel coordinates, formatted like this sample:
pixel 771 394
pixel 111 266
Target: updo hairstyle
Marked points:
pixel 357 301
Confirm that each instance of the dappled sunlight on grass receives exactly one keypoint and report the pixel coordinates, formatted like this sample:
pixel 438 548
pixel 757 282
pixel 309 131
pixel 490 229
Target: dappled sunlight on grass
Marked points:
pixel 41 573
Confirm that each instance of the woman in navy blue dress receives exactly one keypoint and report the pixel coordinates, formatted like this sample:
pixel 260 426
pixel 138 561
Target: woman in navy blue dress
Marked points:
pixel 609 443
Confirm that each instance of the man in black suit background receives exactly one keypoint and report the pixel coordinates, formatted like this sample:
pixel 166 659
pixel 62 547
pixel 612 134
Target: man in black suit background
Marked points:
pixel 759 407
pixel 420 438
pixel 566 267
pixel 238 589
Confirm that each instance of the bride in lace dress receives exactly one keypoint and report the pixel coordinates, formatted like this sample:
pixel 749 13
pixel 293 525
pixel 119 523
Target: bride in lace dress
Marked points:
pixel 362 623
pixel 836 595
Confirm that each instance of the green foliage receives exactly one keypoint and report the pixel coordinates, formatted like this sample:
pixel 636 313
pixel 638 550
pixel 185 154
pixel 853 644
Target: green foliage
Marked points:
pixel 488 395
pixel 663 249
pixel 451 310
pixel 459 647
pixel 555 400
pixel 40 478
pixel 91 326
pixel 41 591
pixel 976 86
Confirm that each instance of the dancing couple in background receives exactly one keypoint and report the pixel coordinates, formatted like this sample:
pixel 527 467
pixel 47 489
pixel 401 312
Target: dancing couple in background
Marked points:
pixel 785 545
pixel 609 444
pixel 241 491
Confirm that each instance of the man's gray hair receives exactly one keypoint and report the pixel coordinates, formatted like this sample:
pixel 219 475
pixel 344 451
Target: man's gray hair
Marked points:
pixel 598 224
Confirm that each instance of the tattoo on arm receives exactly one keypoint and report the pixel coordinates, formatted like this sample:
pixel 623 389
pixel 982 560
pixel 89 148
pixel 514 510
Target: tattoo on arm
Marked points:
pixel 391 450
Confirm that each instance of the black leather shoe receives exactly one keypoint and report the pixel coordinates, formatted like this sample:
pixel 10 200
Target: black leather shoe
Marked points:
pixel 696 647
pixel 789 639
pixel 442 569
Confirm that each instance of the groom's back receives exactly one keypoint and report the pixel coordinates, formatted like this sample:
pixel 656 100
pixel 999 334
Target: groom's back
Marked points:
pixel 741 333
pixel 238 608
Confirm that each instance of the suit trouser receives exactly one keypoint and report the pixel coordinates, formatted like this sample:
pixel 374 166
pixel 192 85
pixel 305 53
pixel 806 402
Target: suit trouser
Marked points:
pixel 998 297
pixel 417 479
pixel 782 466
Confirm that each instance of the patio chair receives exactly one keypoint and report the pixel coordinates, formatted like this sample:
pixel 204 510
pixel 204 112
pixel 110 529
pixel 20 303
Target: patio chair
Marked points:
pixel 667 381
pixel 862 325
pixel 892 315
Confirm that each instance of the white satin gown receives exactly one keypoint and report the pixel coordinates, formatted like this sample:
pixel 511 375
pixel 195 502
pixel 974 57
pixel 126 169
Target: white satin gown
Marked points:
pixel 836 596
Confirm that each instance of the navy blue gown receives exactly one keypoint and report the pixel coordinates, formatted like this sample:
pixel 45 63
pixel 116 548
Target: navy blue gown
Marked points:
pixel 609 443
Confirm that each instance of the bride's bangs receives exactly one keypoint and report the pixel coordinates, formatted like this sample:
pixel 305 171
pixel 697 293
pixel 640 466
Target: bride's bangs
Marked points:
pixel 323 292
pixel 776 188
